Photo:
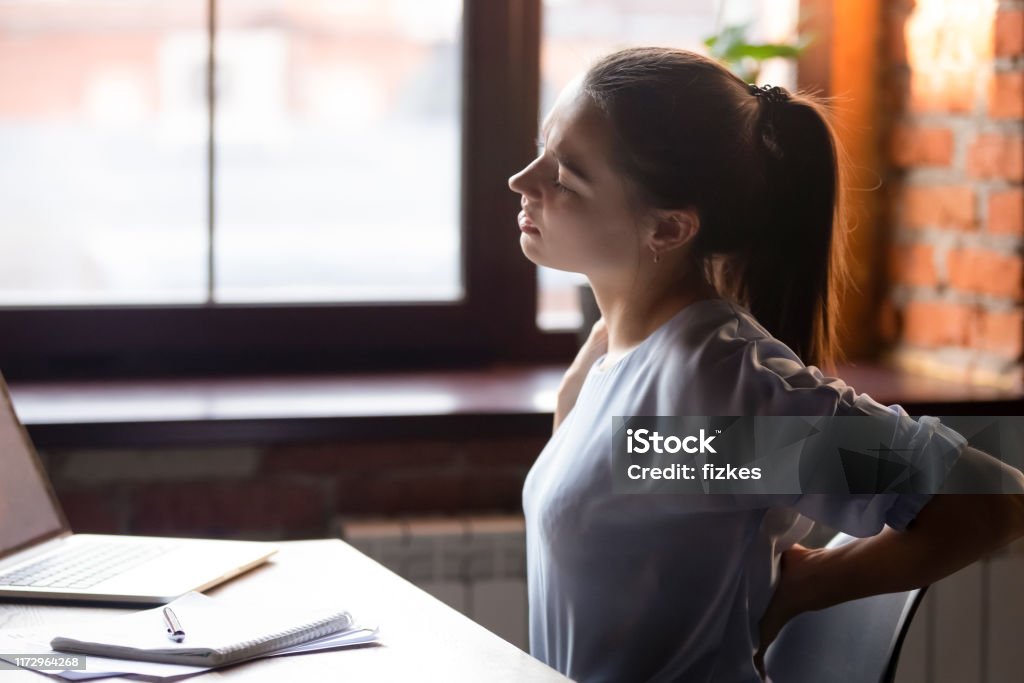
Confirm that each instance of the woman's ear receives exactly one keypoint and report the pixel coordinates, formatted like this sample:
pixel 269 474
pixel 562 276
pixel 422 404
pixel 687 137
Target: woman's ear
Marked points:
pixel 672 229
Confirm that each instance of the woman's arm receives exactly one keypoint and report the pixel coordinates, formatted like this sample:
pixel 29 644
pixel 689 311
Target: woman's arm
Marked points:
pixel 950 532
pixel 569 390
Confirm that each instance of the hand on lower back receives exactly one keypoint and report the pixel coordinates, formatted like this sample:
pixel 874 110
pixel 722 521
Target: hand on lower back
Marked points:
pixel 785 602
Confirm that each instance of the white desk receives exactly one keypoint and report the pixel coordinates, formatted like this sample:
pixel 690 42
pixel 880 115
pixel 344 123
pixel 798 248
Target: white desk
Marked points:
pixel 424 639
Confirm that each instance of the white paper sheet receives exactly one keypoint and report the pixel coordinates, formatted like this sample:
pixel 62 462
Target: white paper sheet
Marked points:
pixel 36 641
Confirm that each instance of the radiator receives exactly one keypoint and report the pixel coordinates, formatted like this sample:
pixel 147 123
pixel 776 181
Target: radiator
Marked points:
pixel 475 564
pixel 969 624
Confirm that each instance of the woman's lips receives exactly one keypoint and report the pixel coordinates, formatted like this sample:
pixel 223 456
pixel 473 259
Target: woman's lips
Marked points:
pixel 526 225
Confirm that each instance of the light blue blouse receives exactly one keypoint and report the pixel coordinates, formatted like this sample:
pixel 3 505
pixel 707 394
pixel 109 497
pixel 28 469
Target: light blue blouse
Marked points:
pixel 672 587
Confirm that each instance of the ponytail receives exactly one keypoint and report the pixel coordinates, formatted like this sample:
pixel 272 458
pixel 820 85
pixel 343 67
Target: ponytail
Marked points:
pixel 794 265
pixel 760 166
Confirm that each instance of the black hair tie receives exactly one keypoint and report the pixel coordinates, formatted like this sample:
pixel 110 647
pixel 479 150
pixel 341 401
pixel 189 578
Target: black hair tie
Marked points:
pixel 772 93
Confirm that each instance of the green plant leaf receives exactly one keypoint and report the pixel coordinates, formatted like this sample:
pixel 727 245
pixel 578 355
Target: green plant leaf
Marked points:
pixel 767 51
pixel 731 47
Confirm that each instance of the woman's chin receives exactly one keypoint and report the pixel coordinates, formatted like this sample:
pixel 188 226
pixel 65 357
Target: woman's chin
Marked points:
pixel 538 260
pixel 528 243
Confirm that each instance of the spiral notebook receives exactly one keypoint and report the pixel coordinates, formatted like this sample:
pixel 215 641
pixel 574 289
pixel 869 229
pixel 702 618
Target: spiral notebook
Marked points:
pixel 217 633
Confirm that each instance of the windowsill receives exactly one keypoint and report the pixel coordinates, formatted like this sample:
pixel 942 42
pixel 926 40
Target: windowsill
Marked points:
pixel 137 413
pixel 500 401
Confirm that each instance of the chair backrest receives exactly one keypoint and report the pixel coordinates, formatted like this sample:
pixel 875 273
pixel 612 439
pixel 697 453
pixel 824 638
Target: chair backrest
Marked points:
pixel 853 642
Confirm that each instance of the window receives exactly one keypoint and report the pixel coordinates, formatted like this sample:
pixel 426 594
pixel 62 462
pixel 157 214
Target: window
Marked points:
pixel 103 163
pixel 333 198
pixel 337 174
pixel 315 194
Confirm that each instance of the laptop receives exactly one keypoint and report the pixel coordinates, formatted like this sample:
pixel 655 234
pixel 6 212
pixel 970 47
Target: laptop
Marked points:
pixel 40 558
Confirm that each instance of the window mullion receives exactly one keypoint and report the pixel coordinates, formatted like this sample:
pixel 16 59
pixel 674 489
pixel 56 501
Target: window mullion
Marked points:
pixel 501 80
pixel 211 108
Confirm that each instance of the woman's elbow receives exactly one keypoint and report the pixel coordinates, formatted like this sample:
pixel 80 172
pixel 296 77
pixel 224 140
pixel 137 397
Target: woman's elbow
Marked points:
pixel 975 471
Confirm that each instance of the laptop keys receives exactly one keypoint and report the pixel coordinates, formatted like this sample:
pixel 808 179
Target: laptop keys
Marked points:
pixel 84 566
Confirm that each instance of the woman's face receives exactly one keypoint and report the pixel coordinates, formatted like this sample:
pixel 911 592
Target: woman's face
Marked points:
pixel 576 214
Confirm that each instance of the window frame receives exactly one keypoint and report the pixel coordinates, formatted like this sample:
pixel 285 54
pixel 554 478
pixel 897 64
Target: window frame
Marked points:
pixel 494 322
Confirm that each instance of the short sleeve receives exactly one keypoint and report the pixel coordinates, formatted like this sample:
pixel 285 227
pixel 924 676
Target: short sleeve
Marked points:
pixel 752 373
pixel 796 389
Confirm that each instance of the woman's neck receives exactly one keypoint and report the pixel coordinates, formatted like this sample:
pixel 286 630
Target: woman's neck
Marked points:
pixel 632 314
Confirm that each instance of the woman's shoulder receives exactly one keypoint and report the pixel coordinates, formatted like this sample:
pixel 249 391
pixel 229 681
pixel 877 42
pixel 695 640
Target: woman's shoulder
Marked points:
pixel 726 356
pixel 714 330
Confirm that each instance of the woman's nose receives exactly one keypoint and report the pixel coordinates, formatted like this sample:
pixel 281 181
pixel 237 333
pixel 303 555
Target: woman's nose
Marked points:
pixel 520 183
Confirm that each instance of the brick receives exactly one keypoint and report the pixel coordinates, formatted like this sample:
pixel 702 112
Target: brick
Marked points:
pixel 227 509
pixel 1009 33
pixel 98 466
pixel 938 206
pixel 942 91
pixel 914 145
pixel 913 264
pixel 921 146
pixel 430 492
pixel 996 156
pixel 508 452
pixel 986 272
pixel 385 493
pixel 372 456
pixel 934 324
pixel 1006 95
pixel 500 490
pixel 92 511
pixel 999 332
pixel 1006 212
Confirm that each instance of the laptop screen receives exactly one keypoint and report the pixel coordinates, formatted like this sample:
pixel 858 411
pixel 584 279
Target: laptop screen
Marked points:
pixel 28 511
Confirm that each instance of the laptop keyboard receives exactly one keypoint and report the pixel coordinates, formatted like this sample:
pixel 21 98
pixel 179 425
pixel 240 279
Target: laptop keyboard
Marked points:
pixel 82 566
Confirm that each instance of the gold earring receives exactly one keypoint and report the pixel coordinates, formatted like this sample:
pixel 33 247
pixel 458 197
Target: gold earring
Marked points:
pixel 657 257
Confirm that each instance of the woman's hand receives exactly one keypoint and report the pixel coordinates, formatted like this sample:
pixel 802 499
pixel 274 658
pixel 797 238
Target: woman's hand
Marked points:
pixel 786 600
pixel 593 348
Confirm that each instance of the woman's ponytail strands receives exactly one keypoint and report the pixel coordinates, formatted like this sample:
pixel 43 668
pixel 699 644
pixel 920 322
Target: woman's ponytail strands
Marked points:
pixel 792 271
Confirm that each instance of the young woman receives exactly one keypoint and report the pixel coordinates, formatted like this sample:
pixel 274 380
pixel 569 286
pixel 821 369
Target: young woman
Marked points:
pixel 703 212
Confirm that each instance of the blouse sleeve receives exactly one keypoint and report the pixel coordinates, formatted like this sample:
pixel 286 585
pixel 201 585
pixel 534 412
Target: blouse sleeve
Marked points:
pixel 791 388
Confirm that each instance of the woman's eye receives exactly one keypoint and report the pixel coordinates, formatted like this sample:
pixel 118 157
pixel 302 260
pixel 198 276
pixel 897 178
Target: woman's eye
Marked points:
pixel 560 187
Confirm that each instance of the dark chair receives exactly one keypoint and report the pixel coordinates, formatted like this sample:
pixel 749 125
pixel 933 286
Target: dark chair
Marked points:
pixel 853 642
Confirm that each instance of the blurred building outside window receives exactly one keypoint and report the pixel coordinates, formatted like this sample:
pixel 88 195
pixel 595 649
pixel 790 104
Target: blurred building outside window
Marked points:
pixel 335 172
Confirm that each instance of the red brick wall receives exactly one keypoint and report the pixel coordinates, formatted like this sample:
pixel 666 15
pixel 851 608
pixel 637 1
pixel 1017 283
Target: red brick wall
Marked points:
pixel 287 492
pixel 955 138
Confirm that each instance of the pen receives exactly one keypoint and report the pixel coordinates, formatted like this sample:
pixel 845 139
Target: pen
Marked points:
pixel 174 630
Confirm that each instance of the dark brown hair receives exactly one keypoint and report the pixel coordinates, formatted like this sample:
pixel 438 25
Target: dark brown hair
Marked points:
pixel 763 176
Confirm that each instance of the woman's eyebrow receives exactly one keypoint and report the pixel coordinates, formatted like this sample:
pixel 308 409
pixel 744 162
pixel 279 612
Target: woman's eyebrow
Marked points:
pixel 571 166
pixel 562 159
